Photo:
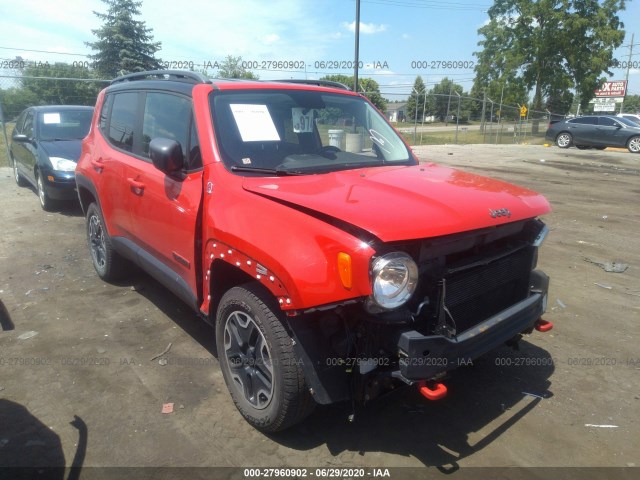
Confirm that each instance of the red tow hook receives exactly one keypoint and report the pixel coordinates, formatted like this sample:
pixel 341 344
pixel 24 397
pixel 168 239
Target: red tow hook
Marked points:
pixel 543 325
pixel 433 391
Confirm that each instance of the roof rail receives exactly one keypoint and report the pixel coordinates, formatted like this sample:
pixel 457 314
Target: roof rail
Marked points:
pixel 320 83
pixel 178 75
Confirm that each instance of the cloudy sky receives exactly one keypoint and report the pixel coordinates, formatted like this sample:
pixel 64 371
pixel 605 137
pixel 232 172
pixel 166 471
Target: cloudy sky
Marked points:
pixel 394 35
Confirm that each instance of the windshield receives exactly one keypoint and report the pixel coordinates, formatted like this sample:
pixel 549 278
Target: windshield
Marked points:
pixel 299 132
pixel 64 124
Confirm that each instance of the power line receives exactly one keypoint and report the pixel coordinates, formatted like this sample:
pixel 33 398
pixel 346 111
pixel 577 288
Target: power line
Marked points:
pixel 43 51
pixel 433 5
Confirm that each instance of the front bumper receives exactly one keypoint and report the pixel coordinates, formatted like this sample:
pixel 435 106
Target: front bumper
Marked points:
pixel 62 187
pixel 426 357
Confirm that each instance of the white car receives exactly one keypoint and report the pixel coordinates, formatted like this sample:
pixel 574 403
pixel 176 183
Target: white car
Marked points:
pixel 630 116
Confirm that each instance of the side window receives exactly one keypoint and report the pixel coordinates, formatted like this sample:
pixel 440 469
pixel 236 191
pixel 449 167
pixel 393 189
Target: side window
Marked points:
pixel 20 122
pixel 123 118
pixel 585 120
pixel 607 122
pixel 28 125
pixel 104 113
pixel 166 116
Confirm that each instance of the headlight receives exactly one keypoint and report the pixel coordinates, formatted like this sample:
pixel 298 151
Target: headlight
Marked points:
pixel 62 164
pixel 394 278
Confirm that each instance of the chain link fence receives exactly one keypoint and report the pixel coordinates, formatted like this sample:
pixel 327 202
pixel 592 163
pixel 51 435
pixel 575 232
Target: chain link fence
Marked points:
pixel 453 119
pixel 449 119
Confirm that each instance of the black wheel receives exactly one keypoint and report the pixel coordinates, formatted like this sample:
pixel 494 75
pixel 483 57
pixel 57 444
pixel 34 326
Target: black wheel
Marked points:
pixel 634 144
pixel 564 140
pixel 46 202
pixel 258 363
pixel 16 175
pixel 108 263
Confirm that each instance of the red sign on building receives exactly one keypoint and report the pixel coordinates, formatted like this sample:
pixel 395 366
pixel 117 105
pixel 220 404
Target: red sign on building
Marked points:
pixel 616 88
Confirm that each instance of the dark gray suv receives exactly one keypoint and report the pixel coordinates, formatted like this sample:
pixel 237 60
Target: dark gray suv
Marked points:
pixel 595 131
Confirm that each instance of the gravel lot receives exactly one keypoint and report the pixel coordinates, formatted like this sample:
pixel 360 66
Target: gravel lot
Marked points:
pixel 84 390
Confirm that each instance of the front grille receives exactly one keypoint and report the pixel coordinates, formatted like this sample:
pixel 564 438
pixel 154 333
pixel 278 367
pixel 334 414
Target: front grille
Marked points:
pixel 479 292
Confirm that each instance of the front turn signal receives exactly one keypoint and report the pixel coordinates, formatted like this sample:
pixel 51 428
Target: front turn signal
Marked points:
pixel 344 269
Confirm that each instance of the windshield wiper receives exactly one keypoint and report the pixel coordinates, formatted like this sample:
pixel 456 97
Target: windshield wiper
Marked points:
pixel 279 172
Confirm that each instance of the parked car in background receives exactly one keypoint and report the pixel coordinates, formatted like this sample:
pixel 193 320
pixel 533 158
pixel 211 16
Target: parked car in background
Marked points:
pixel 45 147
pixel 595 131
pixel 630 116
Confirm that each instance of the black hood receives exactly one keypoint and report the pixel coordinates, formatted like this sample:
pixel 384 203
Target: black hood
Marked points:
pixel 69 149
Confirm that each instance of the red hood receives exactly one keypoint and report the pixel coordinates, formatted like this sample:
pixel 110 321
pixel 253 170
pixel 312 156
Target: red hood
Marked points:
pixel 402 203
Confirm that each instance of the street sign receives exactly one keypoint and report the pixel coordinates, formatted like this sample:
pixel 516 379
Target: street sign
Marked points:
pixel 615 88
pixel 523 111
pixel 604 107
pixel 606 100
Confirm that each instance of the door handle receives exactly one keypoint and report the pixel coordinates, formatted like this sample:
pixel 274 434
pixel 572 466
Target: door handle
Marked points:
pixel 136 187
pixel 98 165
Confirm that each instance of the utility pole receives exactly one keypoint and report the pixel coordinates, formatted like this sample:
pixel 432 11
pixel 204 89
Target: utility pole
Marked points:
pixel 424 106
pixel 627 76
pixel 415 116
pixel 457 116
pixel 357 49
pixel 446 119
pixel 500 116
pixel 484 105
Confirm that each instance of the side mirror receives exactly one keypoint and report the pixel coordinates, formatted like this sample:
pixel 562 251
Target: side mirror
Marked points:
pixel 166 155
pixel 19 137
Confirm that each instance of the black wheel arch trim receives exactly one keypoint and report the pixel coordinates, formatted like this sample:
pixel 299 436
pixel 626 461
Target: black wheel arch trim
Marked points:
pixel 84 182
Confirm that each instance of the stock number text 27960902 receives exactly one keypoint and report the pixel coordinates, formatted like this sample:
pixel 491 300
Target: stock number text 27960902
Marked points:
pixel 442 64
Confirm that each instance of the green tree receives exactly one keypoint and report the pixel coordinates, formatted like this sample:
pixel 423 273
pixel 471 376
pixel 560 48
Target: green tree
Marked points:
pixel 232 68
pixel 550 46
pixel 123 44
pixel 61 83
pixel 416 102
pixel 45 84
pixel 445 98
pixel 632 104
pixel 368 87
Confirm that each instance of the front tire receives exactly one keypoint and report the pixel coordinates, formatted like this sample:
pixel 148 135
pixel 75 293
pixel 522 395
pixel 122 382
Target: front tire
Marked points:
pixel 564 140
pixel 46 202
pixel 258 362
pixel 634 144
pixel 108 263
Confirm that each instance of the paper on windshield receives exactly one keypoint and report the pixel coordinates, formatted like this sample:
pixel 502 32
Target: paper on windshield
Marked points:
pixel 51 117
pixel 255 123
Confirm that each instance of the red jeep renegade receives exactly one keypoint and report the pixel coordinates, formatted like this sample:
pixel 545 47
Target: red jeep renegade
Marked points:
pixel 295 219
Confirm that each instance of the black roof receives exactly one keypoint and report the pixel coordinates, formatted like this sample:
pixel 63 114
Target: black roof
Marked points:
pixel 184 81
pixel 57 108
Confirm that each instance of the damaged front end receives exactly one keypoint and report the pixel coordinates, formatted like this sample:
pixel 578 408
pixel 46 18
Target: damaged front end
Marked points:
pixel 437 304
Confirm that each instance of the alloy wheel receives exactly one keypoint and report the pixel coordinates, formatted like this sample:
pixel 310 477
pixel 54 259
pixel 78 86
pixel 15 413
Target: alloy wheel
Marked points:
pixel 249 359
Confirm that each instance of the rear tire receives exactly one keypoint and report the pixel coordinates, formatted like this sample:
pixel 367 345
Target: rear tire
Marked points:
pixel 258 362
pixel 634 144
pixel 564 140
pixel 20 181
pixel 108 263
